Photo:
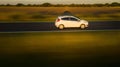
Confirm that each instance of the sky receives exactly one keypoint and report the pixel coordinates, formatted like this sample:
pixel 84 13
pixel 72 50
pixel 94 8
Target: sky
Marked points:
pixel 57 1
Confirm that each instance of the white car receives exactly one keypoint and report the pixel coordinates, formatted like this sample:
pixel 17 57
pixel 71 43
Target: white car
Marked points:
pixel 70 22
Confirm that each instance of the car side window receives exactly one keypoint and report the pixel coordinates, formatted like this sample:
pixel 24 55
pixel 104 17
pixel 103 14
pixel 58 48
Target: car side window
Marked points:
pixel 66 18
pixel 73 19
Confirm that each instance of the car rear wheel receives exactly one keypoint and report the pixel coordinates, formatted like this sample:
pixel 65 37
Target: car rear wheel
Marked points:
pixel 82 26
pixel 61 26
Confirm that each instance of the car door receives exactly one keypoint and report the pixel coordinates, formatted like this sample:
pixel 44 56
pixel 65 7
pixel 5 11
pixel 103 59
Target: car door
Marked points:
pixel 66 21
pixel 74 22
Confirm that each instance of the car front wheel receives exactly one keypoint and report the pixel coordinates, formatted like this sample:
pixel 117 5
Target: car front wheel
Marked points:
pixel 61 26
pixel 82 26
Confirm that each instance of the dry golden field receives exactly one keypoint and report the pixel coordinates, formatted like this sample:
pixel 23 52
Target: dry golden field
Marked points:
pixel 67 49
pixel 50 13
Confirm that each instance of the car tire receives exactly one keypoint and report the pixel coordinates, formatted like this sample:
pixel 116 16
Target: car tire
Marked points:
pixel 61 26
pixel 82 26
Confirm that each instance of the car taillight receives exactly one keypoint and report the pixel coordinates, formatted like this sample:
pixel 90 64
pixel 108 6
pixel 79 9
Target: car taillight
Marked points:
pixel 58 20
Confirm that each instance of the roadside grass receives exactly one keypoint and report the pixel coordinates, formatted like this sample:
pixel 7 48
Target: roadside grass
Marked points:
pixel 72 42
pixel 94 48
pixel 50 13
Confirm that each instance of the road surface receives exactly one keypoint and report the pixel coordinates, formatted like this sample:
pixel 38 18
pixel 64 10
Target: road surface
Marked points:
pixel 49 26
pixel 81 49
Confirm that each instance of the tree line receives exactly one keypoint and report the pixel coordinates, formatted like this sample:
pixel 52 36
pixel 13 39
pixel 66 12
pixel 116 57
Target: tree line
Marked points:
pixel 114 4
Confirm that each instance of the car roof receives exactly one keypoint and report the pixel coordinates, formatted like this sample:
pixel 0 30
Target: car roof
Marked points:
pixel 67 13
pixel 66 16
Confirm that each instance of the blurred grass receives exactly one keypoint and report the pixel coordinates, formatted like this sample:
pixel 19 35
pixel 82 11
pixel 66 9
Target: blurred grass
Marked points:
pixel 64 49
pixel 50 13
pixel 57 41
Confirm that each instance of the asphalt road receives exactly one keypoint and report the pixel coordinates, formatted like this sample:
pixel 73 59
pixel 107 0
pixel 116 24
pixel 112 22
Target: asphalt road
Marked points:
pixel 49 26
pixel 44 50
